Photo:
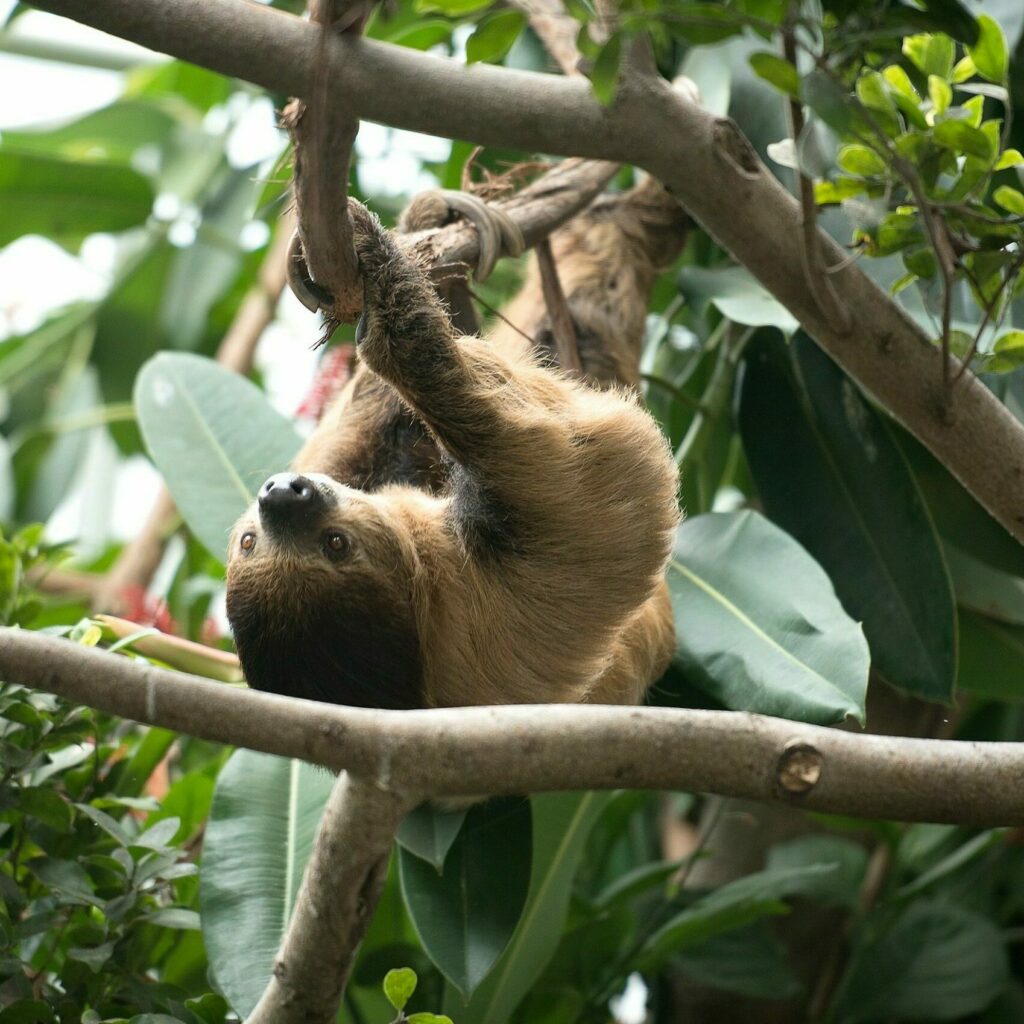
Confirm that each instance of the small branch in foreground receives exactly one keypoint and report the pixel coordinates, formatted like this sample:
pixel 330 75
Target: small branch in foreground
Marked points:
pixel 558 310
pixel 556 29
pixel 526 749
pixel 340 889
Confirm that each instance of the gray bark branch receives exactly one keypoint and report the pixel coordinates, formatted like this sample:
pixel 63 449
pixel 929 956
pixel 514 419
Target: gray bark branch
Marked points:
pixel 702 159
pixel 527 749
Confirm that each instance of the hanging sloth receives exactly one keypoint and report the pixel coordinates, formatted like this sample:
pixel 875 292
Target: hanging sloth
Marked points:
pixel 468 525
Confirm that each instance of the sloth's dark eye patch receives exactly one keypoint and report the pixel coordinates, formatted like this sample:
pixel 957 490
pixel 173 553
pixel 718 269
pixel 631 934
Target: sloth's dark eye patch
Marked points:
pixel 336 543
pixel 248 542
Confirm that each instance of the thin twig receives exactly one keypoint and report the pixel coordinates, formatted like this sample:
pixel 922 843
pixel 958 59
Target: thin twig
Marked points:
pixel 562 328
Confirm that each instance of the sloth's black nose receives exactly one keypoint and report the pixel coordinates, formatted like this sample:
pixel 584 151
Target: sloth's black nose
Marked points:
pixel 288 498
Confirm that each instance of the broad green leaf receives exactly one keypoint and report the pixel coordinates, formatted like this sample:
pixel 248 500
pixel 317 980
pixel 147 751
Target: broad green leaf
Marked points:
pixel 1009 199
pixel 1009 158
pixel 111 134
pixel 931 53
pixel 737 295
pixel 937 963
pixel 705 23
pixel 261 829
pixel 778 71
pixel 494 36
pixel 963 70
pixel 874 92
pixel 214 437
pixel 953 18
pixel 978 586
pixel 828 193
pixel 862 160
pixel 561 825
pixel 839 887
pixel 733 905
pixel 991 657
pixel 399 985
pixel 429 832
pixel 829 472
pixel 466 914
pixel 939 93
pixel 750 961
pixel 958 516
pixel 453 8
pixel 961 137
pixel 824 96
pixel 900 81
pixel 1008 350
pixel 758 624
pixel 989 53
pixel 65 200
pixel 604 75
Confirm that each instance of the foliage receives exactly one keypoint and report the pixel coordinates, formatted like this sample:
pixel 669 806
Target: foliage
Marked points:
pixel 821 543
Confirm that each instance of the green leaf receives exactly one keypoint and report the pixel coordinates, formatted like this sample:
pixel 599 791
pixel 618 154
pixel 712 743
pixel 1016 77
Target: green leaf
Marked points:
pixel 65 200
pixel 750 961
pixel 1010 199
pixel 758 624
pixel 963 70
pixel 1008 351
pixel 873 91
pixel 737 295
pixel 829 472
pixel 939 93
pixel 862 160
pixel 428 832
pixel 463 919
pixel 214 437
pixel 830 193
pixel 453 8
pixel 824 96
pixel 111 134
pixel 990 53
pixel 428 1018
pixel 978 586
pixel 604 75
pixel 963 138
pixel 494 36
pixel 991 657
pixel 561 824
pixel 953 18
pixel 938 963
pixel 931 53
pixel 733 905
pixel 777 71
pixel 262 825
pixel 1009 158
pixel 399 985
pixel 840 887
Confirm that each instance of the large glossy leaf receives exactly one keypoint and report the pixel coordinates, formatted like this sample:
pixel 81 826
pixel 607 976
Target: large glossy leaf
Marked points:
pixel 937 963
pixel 258 838
pixel 991 657
pixel 213 435
pixel 466 914
pixel 734 905
pixel 428 833
pixel 980 587
pixel 113 133
pixel 561 824
pixel 736 294
pixel 959 518
pixel 66 200
pixel 829 473
pixel 758 624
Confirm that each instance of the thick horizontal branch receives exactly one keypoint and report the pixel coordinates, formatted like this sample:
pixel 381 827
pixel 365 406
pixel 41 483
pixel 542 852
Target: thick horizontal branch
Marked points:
pixel 529 749
pixel 703 159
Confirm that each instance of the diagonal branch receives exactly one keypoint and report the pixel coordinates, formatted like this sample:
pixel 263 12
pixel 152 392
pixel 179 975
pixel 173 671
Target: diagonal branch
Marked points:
pixel 704 160
pixel 527 749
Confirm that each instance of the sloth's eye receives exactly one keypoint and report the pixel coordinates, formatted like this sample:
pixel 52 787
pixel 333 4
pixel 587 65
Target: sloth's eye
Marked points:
pixel 336 543
pixel 248 542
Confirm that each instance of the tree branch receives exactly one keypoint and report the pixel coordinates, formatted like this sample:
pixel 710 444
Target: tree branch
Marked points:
pixel 340 889
pixel 528 749
pixel 703 159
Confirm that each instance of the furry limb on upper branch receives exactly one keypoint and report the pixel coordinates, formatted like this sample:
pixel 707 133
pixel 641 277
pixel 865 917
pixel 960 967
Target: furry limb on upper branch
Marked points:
pixel 703 159
pixel 527 749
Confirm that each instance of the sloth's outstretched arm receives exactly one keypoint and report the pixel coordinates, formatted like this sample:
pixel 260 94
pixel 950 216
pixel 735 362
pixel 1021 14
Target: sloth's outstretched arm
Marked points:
pixel 462 390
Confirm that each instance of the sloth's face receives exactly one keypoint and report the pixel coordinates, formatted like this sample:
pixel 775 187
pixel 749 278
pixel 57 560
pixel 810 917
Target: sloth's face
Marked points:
pixel 319 595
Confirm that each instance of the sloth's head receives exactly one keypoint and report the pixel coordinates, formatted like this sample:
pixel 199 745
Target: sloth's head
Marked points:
pixel 320 595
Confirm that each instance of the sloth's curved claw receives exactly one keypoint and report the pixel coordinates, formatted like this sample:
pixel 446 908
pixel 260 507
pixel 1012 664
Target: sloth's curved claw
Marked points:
pixel 499 234
pixel 306 290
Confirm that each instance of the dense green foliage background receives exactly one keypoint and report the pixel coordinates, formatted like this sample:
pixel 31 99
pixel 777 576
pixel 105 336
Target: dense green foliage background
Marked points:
pixel 148 877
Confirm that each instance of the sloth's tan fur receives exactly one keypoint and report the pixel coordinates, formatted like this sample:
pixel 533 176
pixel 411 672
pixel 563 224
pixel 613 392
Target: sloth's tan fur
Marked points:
pixel 523 559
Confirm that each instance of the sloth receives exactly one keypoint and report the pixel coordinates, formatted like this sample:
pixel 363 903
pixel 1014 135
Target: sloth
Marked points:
pixel 469 525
